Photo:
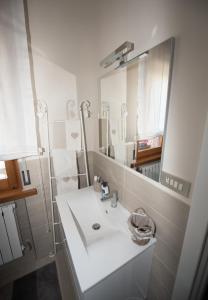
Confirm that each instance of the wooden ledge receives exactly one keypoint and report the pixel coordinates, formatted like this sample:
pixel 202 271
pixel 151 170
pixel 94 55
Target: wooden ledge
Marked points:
pixel 7 196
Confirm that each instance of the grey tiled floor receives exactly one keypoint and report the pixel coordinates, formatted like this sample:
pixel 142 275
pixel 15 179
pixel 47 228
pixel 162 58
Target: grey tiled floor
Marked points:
pixel 39 285
pixel 6 292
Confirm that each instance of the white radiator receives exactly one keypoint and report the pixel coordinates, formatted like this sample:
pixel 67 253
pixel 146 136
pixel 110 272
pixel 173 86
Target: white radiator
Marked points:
pixel 10 246
pixel 151 170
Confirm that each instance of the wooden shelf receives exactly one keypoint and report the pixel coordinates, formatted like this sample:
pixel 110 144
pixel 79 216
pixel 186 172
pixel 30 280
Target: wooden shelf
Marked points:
pixel 11 195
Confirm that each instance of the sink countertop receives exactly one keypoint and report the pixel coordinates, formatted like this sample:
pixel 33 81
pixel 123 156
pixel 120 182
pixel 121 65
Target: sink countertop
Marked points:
pixel 100 258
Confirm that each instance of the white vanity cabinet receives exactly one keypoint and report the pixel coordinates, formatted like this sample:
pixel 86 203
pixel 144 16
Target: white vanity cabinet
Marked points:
pixel 106 264
pixel 130 282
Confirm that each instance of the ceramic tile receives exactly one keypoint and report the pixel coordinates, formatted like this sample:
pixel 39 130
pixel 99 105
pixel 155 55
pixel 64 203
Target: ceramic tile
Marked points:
pixel 16 268
pixel 6 292
pixel 38 285
pixel 36 210
pixel 157 291
pixel 33 165
pixel 168 256
pixel 167 231
pixel 173 209
pixel 42 240
pixel 164 276
pixel 21 214
pixel 169 213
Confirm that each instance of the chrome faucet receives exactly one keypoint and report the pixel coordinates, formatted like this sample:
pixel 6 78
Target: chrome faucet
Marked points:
pixel 105 194
pixel 114 199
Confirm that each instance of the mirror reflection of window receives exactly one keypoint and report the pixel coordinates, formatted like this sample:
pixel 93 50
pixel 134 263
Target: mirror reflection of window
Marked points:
pixel 153 73
pixel 153 76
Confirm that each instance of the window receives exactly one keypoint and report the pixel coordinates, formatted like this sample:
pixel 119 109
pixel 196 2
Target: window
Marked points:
pixel 10 182
pixel 3 173
pixel 9 176
pixel 18 136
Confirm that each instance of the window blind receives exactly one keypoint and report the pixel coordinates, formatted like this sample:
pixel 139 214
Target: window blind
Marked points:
pixel 17 114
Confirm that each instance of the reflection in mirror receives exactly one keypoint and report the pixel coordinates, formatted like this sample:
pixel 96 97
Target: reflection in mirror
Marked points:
pixel 133 110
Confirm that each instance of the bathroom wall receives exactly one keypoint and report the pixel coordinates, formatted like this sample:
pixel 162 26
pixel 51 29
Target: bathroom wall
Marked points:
pixel 147 23
pixel 67 45
pixel 168 211
pixel 64 53
pixel 61 36
pixel 190 280
pixel 68 39
pixel 35 225
pixel 62 44
pixel 34 222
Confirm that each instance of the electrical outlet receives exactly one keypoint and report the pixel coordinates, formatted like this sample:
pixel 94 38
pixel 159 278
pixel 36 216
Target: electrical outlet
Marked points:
pixel 175 183
pixel 180 187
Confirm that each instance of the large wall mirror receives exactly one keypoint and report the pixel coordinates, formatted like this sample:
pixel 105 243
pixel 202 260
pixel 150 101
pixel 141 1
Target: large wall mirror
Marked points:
pixel 133 110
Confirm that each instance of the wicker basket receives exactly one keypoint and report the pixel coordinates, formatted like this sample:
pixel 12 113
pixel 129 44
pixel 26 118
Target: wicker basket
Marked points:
pixel 141 226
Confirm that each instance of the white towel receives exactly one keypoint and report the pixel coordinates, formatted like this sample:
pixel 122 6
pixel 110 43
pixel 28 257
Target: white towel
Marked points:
pixel 124 153
pixel 66 184
pixel 73 135
pixel 65 168
pixel 129 153
pixel 120 153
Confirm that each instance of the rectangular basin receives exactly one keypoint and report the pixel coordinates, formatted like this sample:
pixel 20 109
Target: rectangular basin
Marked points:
pixel 92 219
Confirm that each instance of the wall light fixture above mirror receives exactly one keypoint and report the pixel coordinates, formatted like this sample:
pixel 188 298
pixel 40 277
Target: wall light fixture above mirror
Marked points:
pixel 134 110
pixel 119 54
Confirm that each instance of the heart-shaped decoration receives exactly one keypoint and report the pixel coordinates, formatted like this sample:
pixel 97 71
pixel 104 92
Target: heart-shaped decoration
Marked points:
pixel 74 135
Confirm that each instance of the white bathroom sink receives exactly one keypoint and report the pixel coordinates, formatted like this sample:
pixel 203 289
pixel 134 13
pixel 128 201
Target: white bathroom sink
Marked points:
pixel 96 220
pixel 96 253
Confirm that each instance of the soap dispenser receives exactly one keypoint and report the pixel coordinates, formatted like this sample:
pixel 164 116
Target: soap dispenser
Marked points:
pixel 105 191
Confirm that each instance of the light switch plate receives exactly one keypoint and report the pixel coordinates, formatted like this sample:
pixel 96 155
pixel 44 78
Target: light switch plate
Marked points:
pixel 176 184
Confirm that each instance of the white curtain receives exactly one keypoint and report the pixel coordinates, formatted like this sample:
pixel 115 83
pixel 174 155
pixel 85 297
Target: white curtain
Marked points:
pixel 17 117
pixel 153 73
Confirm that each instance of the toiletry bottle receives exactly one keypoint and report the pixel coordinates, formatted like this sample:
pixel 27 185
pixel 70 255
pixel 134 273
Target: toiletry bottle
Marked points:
pixel 105 190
